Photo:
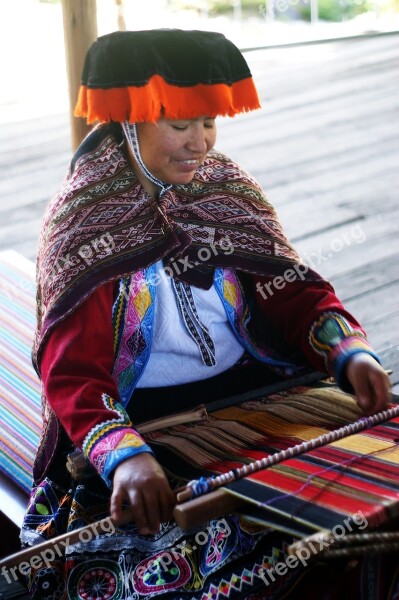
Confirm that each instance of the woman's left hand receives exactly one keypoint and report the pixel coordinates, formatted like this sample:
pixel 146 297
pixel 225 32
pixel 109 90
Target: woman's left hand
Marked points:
pixel 369 381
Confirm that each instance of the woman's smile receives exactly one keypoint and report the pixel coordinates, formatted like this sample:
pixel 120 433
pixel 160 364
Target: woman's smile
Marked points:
pixel 172 150
pixel 188 164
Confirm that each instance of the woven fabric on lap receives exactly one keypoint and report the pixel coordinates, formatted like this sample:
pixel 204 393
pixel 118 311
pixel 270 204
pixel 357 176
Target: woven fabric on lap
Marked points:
pixel 20 419
pixel 317 490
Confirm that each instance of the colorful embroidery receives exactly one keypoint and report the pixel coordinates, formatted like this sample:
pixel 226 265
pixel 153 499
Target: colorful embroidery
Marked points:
pixel 161 572
pixel 334 338
pixel 103 429
pixel 260 574
pixel 133 317
pixel 48 583
pixel 109 443
pixel 118 311
pixel 95 579
pixel 47 511
pixel 328 331
pixel 221 540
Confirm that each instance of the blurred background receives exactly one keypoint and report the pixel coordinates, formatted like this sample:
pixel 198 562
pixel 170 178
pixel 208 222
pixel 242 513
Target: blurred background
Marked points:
pixel 32 65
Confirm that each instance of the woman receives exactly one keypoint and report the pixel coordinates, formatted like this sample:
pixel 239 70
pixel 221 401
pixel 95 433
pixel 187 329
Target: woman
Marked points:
pixel 152 267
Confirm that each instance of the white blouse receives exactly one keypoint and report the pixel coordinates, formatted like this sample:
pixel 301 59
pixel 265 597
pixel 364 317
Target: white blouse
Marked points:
pixel 175 357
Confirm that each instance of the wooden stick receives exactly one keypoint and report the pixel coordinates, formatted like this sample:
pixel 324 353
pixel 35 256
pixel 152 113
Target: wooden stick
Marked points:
pixel 356 544
pixel 199 510
pixel 355 551
pixel 195 513
pixel 55 547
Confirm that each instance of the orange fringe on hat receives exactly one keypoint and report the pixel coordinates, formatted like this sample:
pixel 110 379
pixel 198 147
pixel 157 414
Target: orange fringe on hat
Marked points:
pixel 158 98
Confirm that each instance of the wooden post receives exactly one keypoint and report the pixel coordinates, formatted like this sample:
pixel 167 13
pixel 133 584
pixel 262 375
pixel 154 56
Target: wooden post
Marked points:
pixel 121 15
pixel 80 31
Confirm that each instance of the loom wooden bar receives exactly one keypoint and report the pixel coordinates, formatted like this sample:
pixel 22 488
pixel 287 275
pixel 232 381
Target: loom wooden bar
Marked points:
pixel 197 511
pixel 324 539
pixel 188 515
pixel 80 31
pixel 61 542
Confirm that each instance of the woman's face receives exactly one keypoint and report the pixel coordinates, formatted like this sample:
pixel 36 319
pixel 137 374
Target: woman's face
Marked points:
pixel 172 149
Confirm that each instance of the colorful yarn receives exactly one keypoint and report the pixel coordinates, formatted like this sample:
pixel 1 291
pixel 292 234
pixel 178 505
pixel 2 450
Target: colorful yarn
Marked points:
pixel 322 440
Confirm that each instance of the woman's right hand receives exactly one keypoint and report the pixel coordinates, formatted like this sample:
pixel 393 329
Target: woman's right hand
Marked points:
pixel 141 482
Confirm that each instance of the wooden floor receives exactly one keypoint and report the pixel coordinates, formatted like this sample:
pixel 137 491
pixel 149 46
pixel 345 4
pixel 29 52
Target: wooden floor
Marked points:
pixel 325 147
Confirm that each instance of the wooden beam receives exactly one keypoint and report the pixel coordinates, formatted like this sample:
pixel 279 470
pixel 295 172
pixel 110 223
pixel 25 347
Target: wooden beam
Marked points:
pixel 80 31
pixel 121 15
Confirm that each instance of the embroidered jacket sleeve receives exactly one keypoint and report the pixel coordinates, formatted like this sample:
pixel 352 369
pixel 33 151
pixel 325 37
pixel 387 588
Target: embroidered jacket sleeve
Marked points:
pixel 76 370
pixel 309 316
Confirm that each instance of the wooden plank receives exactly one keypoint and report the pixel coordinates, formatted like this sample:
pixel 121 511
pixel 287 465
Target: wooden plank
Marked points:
pixel 308 160
pixel 33 135
pixel 335 252
pixel 332 107
pixel 364 188
pixel 13 135
pixel 363 280
pixel 310 84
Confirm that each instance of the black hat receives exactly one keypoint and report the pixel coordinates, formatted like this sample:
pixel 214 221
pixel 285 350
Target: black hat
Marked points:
pixel 143 75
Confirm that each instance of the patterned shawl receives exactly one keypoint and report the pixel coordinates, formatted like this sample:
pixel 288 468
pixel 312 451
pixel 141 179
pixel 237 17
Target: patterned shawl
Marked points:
pixel 103 225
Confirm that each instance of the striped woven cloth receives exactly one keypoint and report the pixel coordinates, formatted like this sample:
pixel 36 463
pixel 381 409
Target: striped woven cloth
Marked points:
pixel 20 420
pixel 331 485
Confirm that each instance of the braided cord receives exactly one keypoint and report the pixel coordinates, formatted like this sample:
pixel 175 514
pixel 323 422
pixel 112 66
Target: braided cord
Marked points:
pixel 197 330
pixel 130 131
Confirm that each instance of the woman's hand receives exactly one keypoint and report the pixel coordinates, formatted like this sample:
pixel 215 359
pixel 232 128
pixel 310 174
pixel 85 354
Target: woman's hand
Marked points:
pixel 369 381
pixel 141 481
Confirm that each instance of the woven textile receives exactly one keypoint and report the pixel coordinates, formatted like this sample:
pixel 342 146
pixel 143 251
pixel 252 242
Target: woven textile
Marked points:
pixel 102 225
pixel 317 490
pixel 20 420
